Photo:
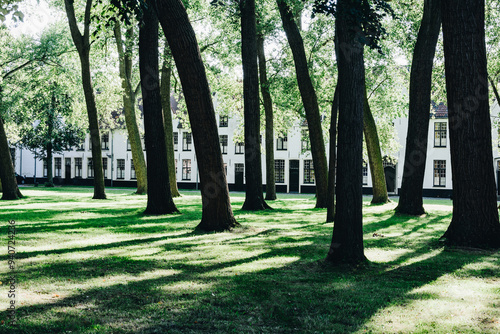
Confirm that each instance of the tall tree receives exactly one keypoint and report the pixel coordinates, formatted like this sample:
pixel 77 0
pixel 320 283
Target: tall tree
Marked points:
pixel 374 155
pixel 410 196
pixel 82 44
pixel 330 212
pixel 268 109
pixel 217 214
pixel 10 190
pixel 165 86
pixel 129 92
pixel 159 196
pixel 475 216
pixel 254 199
pixel 347 240
pixel 310 102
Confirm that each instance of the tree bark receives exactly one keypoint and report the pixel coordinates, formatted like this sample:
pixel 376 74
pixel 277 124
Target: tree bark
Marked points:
pixel 165 86
pixel 380 195
pixel 49 147
pixel 347 240
pixel 159 196
pixel 310 102
pixel 254 199
pixel 129 100
pixel 217 214
pixel 475 216
pixel 330 212
pixel 82 44
pixel 268 108
pixel 7 173
pixel 410 195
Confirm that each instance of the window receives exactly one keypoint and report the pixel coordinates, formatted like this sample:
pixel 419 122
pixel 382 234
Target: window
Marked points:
pixel 90 144
pixel 440 134
pixel 44 167
pixel 175 167
pixel 133 176
pixel 279 171
pixel 58 167
pixel 223 121
pixel 105 167
pixel 239 148
pixel 439 173
pixel 176 140
pixel 282 143
pixel 365 172
pixel 186 169
pixel 308 171
pixel 78 167
pixel 105 141
pixel 223 143
pixel 120 169
pixel 225 168
pixel 306 143
pixel 129 148
pixel 186 141
pixel 67 167
pixel 90 168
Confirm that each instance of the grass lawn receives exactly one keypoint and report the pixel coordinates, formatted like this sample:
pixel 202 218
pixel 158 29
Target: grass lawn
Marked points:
pixel 100 266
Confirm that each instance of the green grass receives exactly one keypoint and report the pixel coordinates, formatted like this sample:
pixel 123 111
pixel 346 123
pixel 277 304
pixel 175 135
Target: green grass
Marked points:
pixel 100 266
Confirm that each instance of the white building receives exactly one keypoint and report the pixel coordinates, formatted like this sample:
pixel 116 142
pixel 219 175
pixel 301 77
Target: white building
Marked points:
pixel 294 167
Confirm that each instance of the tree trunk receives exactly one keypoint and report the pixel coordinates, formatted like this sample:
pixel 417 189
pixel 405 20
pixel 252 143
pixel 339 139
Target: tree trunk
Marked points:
pixel 7 174
pixel 254 199
pixel 217 214
pixel 82 44
pixel 50 176
pixel 410 195
pixel 268 108
pixel 330 212
pixel 165 86
pixel 159 196
pixel 49 147
pixel 129 100
pixel 380 195
pixel 310 102
pixel 347 240
pixel 475 215
pixel 1 190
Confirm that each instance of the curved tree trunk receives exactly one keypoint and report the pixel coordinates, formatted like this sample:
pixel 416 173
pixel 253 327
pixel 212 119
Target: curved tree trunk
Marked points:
pixel 82 43
pixel 330 212
pixel 410 195
pixel 129 100
pixel 475 215
pixel 310 102
pixel 166 73
pixel 347 241
pixel 159 196
pixel 217 214
pixel 268 108
pixel 374 156
pixel 7 174
pixel 254 199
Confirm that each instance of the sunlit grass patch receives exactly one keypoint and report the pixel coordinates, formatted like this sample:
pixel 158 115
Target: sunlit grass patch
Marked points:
pixel 86 266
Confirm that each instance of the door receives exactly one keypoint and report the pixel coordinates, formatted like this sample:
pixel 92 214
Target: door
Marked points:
pixel 294 176
pixel 239 175
pixel 390 178
pixel 67 170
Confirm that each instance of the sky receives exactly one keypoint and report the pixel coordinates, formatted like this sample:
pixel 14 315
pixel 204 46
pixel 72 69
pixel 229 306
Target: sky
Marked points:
pixel 37 15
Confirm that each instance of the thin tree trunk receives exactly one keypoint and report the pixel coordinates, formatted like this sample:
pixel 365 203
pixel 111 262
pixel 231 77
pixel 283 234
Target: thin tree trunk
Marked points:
pixel 217 214
pixel 129 100
pixel 310 102
pixel 410 195
pixel 1 190
pixel 49 148
pixel 268 108
pixel 50 177
pixel 159 196
pixel 7 174
pixel 347 241
pixel 475 216
pixel 380 195
pixel 330 212
pixel 254 199
pixel 82 43
pixel 165 86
